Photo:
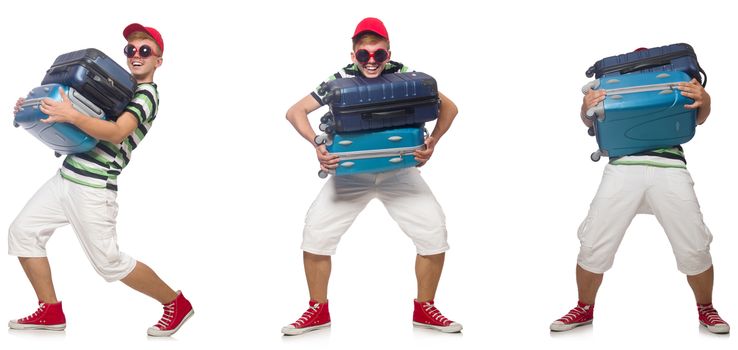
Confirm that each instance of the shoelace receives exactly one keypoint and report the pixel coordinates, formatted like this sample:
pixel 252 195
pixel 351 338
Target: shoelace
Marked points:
pixel 573 314
pixel 435 314
pixel 41 308
pixel 311 311
pixel 711 315
pixel 167 318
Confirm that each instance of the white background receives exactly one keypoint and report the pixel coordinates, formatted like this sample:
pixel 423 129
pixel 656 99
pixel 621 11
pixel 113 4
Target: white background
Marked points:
pixel 214 199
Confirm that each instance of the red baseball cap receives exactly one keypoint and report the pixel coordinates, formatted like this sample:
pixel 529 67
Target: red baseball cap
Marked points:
pixel 371 24
pixel 135 27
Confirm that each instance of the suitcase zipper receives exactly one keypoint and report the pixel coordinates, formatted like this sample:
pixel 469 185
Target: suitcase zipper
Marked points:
pixel 388 107
pixel 388 152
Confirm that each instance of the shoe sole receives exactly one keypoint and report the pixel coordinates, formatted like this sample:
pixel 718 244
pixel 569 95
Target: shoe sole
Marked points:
pixel 158 333
pixel 717 329
pixel 454 328
pixel 23 326
pixel 298 331
pixel 555 327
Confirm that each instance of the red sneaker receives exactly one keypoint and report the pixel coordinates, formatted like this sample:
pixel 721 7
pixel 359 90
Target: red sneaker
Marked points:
pixel 426 315
pixel 578 316
pixel 175 315
pixel 317 316
pixel 48 317
pixel 709 318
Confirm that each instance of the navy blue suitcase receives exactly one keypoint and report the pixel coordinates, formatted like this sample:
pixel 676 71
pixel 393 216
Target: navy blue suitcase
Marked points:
pixel 641 112
pixel 97 77
pixel 390 100
pixel 375 151
pixel 63 138
pixel 675 57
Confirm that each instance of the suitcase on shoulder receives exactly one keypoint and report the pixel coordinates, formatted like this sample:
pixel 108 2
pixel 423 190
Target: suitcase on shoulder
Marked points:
pixel 100 79
pixel 642 112
pixel 375 151
pixel 675 57
pixel 390 100
pixel 63 138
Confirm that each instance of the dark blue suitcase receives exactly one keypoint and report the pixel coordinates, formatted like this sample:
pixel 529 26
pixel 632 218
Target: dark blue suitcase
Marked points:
pixel 390 100
pixel 63 138
pixel 97 77
pixel 642 112
pixel 675 57
pixel 375 151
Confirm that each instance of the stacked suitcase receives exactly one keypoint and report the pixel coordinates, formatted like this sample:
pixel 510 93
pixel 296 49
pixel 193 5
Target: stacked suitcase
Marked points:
pixel 643 108
pixel 375 125
pixel 96 86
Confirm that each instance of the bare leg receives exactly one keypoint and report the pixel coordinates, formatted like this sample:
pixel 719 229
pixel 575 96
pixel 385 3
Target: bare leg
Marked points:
pixel 702 286
pixel 145 280
pixel 428 270
pixel 317 273
pixel 588 283
pixel 38 272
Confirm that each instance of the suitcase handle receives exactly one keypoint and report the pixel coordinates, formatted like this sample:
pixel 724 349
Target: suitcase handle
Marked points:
pixel 389 114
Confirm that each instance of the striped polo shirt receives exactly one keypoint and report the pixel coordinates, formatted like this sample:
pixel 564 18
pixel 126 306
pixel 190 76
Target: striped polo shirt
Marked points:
pixel 672 157
pixel 101 166
pixel 352 70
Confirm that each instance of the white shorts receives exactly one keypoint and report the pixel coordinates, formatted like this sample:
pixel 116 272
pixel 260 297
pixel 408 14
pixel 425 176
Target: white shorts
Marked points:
pixel 627 190
pixel 403 192
pixel 90 211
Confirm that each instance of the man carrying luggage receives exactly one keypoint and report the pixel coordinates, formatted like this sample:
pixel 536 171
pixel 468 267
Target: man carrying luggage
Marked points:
pixel 83 194
pixel 403 192
pixel 655 182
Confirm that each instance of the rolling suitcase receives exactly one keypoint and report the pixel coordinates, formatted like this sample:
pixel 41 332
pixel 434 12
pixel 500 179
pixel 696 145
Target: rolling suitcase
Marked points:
pixel 675 57
pixel 375 151
pixel 390 100
pixel 97 77
pixel 642 112
pixel 63 138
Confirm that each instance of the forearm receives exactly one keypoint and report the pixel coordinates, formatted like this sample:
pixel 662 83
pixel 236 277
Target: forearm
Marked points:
pixel 587 122
pixel 299 121
pixel 445 117
pixel 702 113
pixel 100 129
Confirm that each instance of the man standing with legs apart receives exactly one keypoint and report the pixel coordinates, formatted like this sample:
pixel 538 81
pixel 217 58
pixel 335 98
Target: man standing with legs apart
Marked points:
pixel 403 192
pixel 655 182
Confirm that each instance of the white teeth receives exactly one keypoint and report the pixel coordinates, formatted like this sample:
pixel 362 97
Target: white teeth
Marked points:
pixel 137 64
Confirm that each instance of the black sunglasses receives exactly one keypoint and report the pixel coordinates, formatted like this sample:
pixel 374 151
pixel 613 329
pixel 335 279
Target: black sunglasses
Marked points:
pixel 363 55
pixel 143 51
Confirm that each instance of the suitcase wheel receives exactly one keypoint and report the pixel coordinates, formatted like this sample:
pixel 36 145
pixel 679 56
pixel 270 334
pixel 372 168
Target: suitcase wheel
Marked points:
pixel 326 118
pixel 320 139
pixel 595 156
pixel 57 154
pixel 322 174
pixel 16 124
pixel 591 131
pixel 329 129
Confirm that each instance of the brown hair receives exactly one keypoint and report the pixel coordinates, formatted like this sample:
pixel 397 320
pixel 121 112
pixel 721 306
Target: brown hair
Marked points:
pixel 369 38
pixel 142 36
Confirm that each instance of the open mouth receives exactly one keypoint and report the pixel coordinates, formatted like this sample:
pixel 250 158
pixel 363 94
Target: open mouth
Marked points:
pixel 371 68
pixel 137 63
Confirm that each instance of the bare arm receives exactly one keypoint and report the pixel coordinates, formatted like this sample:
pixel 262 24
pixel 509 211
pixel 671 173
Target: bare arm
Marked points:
pixel 446 116
pixel 297 116
pixel 590 99
pixel 111 131
pixel 702 100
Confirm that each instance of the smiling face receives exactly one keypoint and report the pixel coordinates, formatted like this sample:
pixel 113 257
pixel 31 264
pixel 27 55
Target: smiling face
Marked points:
pixel 143 68
pixel 371 68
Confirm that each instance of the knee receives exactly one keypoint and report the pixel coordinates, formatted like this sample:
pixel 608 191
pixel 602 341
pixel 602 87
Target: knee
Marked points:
pixel 114 268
